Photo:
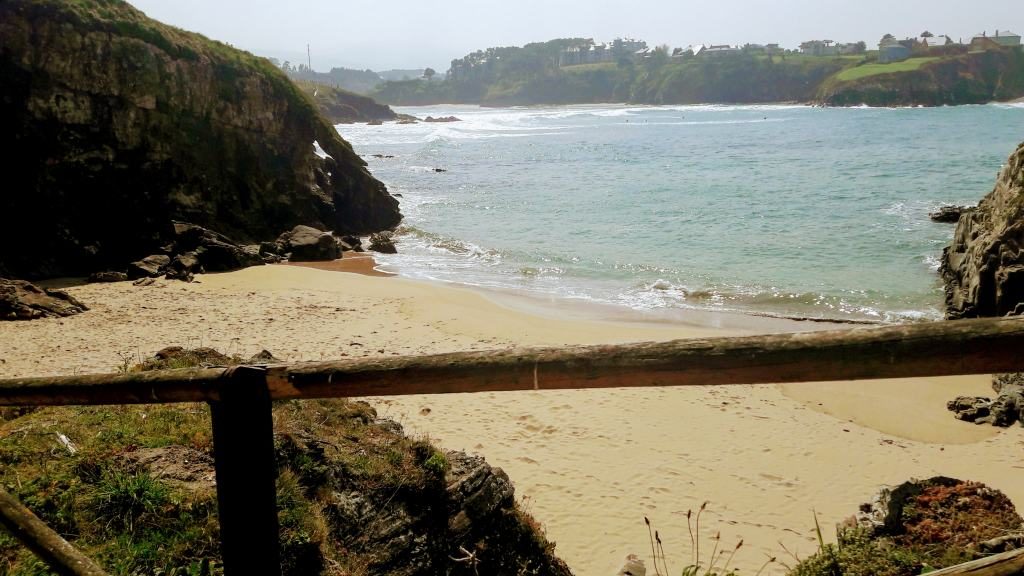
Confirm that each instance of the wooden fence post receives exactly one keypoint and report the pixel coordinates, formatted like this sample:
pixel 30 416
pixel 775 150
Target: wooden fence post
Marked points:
pixel 49 546
pixel 243 445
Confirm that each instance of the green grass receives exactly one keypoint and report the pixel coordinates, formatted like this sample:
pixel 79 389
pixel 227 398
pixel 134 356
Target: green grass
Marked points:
pixel 858 72
pixel 581 68
pixel 132 522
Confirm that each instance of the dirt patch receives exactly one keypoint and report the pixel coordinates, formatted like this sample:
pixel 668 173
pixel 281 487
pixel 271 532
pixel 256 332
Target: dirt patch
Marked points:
pixel 186 467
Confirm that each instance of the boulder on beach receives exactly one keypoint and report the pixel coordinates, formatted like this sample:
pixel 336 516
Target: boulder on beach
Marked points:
pixel 212 251
pixel 107 276
pixel 148 267
pixel 1003 410
pixel 307 244
pixel 21 300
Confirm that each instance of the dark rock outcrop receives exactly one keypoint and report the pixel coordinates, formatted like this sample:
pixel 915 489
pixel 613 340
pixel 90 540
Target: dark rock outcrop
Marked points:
pixel 148 267
pixel 21 300
pixel 307 244
pixel 984 266
pixel 442 119
pixel 203 250
pixel 461 518
pixel 113 125
pixel 107 276
pixel 383 242
pixel 1003 411
pixel 351 243
pixel 949 214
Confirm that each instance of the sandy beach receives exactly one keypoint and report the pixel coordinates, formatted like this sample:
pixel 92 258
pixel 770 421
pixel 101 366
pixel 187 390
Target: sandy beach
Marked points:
pixel 588 464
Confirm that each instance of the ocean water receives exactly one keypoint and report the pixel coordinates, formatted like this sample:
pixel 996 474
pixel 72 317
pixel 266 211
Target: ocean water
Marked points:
pixel 778 210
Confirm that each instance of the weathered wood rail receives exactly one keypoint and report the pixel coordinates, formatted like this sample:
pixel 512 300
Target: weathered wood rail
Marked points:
pixel 240 398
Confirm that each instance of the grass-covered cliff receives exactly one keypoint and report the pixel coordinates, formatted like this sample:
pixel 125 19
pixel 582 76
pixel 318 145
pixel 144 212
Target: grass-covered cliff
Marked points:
pixel 114 124
pixel 974 78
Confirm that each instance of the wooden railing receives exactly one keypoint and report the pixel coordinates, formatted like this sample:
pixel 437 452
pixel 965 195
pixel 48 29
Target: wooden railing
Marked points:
pixel 240 398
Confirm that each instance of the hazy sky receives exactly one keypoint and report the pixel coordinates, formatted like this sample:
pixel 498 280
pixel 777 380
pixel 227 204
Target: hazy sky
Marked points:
pixel 383 34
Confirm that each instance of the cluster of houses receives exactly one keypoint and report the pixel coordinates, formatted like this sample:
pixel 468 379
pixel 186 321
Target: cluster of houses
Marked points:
pixel 890 49
pixel 604 52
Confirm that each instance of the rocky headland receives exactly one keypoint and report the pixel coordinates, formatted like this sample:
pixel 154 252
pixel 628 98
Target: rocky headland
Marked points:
pixel 344 107
pixel 983 268
pixel 973 78
pixel 114 126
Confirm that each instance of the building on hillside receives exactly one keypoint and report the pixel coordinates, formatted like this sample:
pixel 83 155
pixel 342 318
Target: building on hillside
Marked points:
pixel 718 51
pixel 1001 40
pixel 601 53
pixel 893 50
pixel 819 48
pixel 629 45
pixel 934 42
pixel 852 48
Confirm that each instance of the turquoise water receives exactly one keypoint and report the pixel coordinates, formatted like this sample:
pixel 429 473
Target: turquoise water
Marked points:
pixel 780 210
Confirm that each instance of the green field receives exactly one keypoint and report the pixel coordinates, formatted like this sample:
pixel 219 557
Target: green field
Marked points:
pixel 580 68
pixel 866 70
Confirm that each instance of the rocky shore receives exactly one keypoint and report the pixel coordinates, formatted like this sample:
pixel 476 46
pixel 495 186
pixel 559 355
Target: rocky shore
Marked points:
pixel 983 268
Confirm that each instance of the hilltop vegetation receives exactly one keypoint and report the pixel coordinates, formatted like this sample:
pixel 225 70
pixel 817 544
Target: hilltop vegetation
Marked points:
pixel 532 75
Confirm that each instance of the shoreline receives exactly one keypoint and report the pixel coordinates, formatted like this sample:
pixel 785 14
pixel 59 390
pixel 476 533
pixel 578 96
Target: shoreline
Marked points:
pixel 559 308
pixel 784 103
pixel 587 464
pixel 855 404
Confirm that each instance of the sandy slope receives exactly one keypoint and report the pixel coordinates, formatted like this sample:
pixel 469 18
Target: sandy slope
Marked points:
pixel 589 464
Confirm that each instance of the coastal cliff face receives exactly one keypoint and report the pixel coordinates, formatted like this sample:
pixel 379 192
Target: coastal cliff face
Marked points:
pixel 984 266
pixel 113 125
pixel 966 79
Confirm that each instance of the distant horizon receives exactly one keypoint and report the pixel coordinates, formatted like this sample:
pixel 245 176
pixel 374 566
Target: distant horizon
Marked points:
pixel 407 35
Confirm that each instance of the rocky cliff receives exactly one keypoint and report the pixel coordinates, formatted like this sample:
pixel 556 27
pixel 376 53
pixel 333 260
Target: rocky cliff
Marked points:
pixel 984 266
pixel 966 79
pixel 113 125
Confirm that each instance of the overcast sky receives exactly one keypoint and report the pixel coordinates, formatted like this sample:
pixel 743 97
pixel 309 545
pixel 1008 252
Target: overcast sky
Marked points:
pixel 384 34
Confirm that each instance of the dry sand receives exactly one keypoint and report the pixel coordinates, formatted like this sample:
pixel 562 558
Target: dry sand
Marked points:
pixel 588 464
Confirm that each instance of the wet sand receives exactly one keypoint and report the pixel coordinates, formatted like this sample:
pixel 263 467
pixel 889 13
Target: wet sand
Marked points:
pixel 588 464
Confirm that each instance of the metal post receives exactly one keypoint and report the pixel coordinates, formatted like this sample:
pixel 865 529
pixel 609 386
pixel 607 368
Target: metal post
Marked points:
pixel 243 445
